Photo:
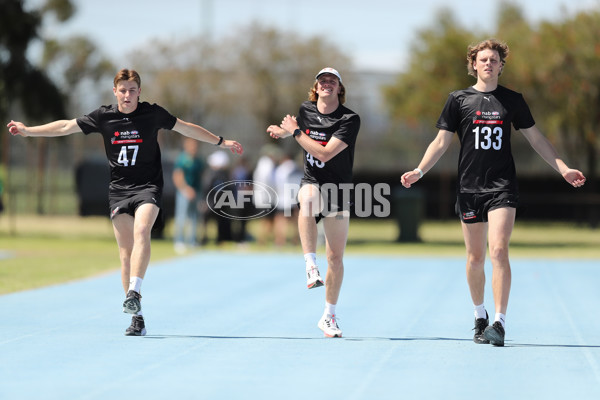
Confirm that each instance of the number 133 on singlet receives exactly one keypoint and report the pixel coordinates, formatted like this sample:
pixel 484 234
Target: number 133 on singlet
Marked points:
pixel 488 138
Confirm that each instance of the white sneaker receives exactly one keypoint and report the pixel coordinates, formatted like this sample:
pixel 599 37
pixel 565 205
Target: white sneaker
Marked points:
pixel 313 279
pixel 329 326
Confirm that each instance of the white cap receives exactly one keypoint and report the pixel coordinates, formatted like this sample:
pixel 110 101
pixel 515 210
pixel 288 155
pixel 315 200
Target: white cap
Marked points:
pixel 329 70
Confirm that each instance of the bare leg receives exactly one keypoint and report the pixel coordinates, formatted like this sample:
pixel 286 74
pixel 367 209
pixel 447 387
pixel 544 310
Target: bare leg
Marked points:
pixel 475 236
pixel 309 198
pixel 123 228
pixel 501 223
pixel 336 234
pixel 133 238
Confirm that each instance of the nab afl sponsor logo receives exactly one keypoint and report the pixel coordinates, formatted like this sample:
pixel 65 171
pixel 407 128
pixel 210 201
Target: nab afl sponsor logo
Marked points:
pixel 469 215
pixel 242 200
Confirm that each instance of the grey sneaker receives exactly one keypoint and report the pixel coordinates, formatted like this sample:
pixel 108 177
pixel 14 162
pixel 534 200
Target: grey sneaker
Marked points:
pixel 495 334
pixel 480 325
pixel 132 304
pixel 137 327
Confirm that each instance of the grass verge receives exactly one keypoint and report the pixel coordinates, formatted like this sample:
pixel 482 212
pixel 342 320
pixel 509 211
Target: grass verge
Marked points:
pixel 39 251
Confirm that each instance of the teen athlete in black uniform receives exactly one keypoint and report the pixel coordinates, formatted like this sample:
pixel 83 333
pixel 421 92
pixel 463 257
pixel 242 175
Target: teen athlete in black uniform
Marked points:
pixel 129 129
pixel 327 132
pixel 482 116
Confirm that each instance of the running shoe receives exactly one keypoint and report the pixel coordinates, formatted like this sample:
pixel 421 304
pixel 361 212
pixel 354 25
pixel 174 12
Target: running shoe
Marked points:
pixel 137 327
pixel 329 326
pixel 314 279
pixel 480 325
pixel 495 334
pixel 132 304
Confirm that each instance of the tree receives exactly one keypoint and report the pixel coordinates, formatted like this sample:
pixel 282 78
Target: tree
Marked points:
pixel 279 69
pixel 237 86
pixel 29 87
pixel 571 82
pixel 19 79
pixel 437 66
pixel 554 65
pixel 74 61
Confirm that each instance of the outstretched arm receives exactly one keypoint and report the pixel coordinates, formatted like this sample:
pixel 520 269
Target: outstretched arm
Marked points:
pixel 199 133
pixel 545 149
pixel 434 151
pixel 61 127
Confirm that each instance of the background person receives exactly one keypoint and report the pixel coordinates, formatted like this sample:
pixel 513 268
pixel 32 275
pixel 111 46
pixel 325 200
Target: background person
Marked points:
pixel 242 175
pixel 264 175
pixel 218 174
pixel 287 178
pixel 187 177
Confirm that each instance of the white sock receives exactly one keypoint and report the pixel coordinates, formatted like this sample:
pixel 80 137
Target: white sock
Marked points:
pixel 140 313
pixel 500 317
pixel 329 310
pixel 135 284
pixel 311 260
pixel 480 311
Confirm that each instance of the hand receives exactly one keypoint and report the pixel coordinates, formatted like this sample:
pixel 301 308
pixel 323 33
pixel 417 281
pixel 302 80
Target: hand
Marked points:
pixel 189 193
pixel 277 132
pixel 289 123
pixel 234 146
pixel 574 177
pixel 408 178
pixel 16 128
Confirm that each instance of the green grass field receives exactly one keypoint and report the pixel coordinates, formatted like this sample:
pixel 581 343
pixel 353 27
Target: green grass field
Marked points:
pixel 38 251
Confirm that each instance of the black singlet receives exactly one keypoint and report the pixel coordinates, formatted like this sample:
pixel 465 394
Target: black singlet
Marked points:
pixel 131 145
pixel 343 124
pixel 483 123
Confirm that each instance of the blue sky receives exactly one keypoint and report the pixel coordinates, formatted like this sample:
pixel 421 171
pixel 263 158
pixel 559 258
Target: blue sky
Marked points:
pixel 377 34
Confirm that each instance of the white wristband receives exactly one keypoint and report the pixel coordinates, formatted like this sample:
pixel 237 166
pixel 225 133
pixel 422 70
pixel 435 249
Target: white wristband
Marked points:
pixel 419 171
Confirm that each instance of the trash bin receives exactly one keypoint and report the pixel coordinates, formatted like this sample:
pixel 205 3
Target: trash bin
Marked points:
pixel 407 208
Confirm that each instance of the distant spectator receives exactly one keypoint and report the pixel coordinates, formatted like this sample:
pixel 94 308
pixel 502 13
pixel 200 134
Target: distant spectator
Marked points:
pixel 287 177
pixel 264 173
pixel 187 177
pixel 241 173
pixel 218 174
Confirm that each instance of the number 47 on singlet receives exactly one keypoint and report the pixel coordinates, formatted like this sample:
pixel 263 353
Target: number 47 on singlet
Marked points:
pixel 123 155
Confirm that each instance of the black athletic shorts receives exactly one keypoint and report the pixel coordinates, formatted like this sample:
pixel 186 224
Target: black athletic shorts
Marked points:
pixel 335 198
pixel 128 203
pixel 474 207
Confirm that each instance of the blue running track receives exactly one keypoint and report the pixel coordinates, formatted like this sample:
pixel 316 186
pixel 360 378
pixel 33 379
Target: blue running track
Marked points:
pixel 243 326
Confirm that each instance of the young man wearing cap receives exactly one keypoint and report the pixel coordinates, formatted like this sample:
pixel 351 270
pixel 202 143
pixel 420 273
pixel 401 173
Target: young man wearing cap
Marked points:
pixel 130 132
pixel 487 197
pixel 327 131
